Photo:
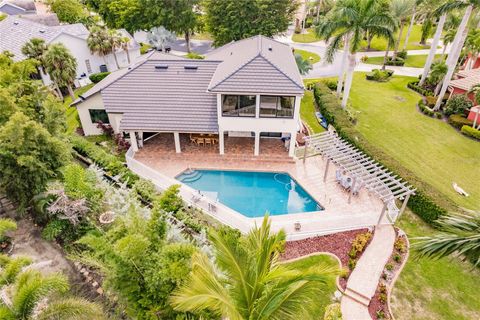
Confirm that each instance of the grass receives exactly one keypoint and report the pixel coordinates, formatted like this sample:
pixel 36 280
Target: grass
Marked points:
pixel 307 55
pixel 380 44
pixel 311 261
pixel 415 61
pixel 71 112
pixel 305 37
pixel 434 289
pixel 430 148
pixel 307 113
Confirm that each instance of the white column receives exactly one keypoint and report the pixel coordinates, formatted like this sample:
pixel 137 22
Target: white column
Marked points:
pixel 176 137
pixel 140 139
pixel 221 140
pixel 257 143
pixel 257 107
pixel 291 147
pixel 133 141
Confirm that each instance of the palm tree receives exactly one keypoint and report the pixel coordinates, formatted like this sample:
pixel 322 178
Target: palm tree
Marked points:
pixel 115 41
pixel 401 11
pixel 472 45
pixel 469 6
pixel 35 49
pixel 304 66
pixel 124 44
pixel 247 281
pixel 412 22
pixel 351 19
pixel 98 42
pixel 61 66
pixel 437 72
pixel 460 235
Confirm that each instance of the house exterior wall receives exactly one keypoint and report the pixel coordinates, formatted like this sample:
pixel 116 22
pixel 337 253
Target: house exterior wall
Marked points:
pixel 93 102
pixel 470 96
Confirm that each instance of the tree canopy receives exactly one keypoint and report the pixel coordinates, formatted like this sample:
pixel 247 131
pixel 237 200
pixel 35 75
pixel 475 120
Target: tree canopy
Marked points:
pixel 69 11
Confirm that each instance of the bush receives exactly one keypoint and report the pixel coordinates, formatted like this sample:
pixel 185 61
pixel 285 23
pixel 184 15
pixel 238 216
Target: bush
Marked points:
pixel 331 84
pixel 415 87
pixel 144 48
pixel 427 111
pixel 402 54
pixel 333 312
pixel 360 241
pixel 471 132
pixel 379 75
pixel 169 200
pixel 400 245
pixel 97 77
pixel 194 55
pixel 389 266
pixel 397 62
pixel 422 203
pixel 458 104
pixel 145 189
pixel 458 121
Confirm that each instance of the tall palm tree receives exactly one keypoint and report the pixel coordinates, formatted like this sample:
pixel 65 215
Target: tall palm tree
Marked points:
pixel 351 19
pixel 35 49
pixel 61 65
pixel 412 22
pixel 460 234
pixel 304 66
pixel 469 6
pixel 124 44
pixel 98 42
pixel 472 45
pixel 247 281
pixel 401 10
pixel 115 41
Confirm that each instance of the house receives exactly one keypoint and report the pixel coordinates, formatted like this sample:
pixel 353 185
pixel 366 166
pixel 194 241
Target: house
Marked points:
pixel 249 88
pixel 15 31
pixel 466 80
pixel 16 7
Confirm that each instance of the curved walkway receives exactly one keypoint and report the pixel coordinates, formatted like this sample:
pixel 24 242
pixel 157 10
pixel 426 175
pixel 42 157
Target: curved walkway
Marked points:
pixel 363 281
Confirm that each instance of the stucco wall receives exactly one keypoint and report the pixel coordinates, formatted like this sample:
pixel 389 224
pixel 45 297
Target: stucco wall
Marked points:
pixel 95 102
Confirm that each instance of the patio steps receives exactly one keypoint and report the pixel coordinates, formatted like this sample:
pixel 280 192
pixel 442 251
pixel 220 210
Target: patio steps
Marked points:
pixel 360 298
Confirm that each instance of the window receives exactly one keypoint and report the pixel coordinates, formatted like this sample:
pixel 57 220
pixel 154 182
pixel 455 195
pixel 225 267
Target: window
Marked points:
pixel 277 107
pixel 98 115
pixel 238 106
pixel 89 67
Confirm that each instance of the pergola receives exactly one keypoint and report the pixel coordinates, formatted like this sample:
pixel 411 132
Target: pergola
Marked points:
pixel 362 169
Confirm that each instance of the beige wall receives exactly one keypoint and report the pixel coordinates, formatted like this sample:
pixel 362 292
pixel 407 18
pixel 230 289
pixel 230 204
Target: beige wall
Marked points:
pixel 95 102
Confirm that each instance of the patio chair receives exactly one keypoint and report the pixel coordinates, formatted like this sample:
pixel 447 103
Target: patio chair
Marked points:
pixel 297 226
pixel 208 141
pixel 201 141
pixel 193 139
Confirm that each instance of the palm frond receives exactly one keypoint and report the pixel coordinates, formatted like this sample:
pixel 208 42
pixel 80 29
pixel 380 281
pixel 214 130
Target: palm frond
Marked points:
pixel 7 225
pixel 72 308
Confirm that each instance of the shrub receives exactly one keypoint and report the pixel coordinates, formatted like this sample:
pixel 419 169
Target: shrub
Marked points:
pixel 458 121
pixel 333 312
pixel 97 77
pixel 364 59
pixel 382 288
pixel 397 258
pixel 415 87
pixel 145 189
pixel 194 55
pixel 402 54
pixel 169 200
pixel 471 132
pixel 422 203
pixel 431 101
pixel 389 266
pixel 352 263
pixel 427 111
pixel 331 84
pixel 378 75
pixel 380 314
pixel 382 297
pixel 458 104
pixel 361 241
pixel 400 245
pixel 397 62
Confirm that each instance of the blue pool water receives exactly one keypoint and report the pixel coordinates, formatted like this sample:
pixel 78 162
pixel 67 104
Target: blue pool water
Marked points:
pixel 252 193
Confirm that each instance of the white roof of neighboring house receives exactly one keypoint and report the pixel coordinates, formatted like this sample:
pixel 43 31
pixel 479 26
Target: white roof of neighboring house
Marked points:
pixel 16 31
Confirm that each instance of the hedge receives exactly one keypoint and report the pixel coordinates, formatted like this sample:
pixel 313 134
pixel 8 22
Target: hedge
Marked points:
pixel 415 87
pixel 428 202
pixel 110 163
pixel 379 75
pixel 97 77
pixel 427 111
pixel 471 132
pixel 458 121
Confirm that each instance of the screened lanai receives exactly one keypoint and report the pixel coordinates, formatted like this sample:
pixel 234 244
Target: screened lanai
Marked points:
pixel 364 172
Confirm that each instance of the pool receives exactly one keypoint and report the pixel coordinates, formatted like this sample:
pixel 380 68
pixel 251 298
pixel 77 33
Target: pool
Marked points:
pixel 252 193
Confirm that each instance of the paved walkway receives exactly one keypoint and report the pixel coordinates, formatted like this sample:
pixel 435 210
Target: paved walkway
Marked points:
pixel 363 281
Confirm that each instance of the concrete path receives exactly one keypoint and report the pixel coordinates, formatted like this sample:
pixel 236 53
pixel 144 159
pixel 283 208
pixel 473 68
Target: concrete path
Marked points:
pixel 363 281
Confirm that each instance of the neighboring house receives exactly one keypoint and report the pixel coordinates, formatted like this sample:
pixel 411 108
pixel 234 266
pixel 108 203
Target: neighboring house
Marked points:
pixel 16 31
pixel 16 7
pixel 246 88
pixel 466 79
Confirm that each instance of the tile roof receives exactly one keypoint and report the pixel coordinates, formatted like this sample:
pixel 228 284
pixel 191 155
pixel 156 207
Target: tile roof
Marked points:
pixel 466 83
pixel 468 73
pixel 161 95
pixel 27 5
pixel 267 65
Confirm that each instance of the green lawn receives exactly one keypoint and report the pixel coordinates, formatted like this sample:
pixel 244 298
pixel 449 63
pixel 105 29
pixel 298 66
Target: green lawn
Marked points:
pixel 71 112
pixel 380 44
pixel 330 287
pixel 434 289
pixel 307 113
pixel 429 147
pixel 306 37
pixel 415 61
pixel 307 55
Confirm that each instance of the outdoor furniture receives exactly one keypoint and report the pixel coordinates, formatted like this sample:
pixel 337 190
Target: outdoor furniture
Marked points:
pixel 200 141
pixel 297 226
pixel 193 139
pixel 208 141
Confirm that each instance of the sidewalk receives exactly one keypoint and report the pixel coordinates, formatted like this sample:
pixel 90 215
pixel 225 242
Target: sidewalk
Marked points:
pixel 363 281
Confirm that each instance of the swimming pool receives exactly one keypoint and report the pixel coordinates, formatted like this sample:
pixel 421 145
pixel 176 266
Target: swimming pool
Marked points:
pixel 252 193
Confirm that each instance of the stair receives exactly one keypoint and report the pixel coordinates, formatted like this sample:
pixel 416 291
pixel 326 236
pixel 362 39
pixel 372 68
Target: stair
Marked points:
pixel 360 298
pixel 191 177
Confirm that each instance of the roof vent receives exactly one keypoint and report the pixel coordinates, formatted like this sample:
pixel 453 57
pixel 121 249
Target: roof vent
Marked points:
pixel 269 48
pixel 15 22
pixel 161 67
pixel 190 67
pixel 42 31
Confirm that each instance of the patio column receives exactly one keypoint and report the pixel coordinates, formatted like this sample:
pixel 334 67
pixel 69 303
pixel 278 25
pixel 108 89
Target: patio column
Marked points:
pixel 221 141
pixel 257 144
pixel 291 147
pixel 133 141
pixel 176 137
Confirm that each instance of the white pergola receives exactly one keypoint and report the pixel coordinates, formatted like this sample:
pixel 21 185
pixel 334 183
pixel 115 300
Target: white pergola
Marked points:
pixel 362 169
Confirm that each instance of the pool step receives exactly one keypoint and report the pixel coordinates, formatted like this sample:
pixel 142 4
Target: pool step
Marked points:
pixel 191 177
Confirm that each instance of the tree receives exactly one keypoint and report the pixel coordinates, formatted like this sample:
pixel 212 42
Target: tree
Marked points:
pixel 69 11
pixel 401 11
pixel 351 19
pixel 98 42
pixel 247 281
pixel 231 20
pixel 158 37
pixel 29 157
pixel 412 22
pixel 476 93
pixel 61 66
pixel 460 235
pixel 438 71
pixel 35 49
pixel 117 14
pixel 115 41
pixel 304 66
pixel 472 46
pixel 433 49
pixel 125 44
